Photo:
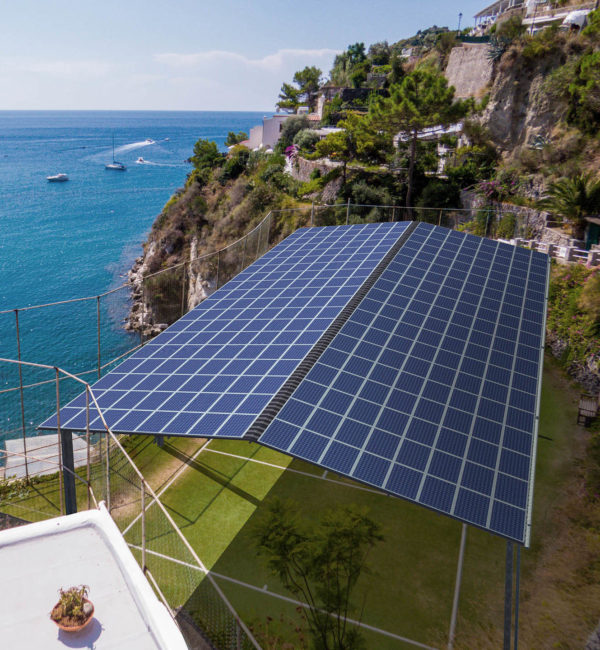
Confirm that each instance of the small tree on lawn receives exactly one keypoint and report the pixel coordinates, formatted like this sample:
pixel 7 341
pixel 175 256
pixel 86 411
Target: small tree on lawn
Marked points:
pixel 320 564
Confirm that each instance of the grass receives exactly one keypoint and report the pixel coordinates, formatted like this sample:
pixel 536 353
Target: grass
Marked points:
pixel 217 498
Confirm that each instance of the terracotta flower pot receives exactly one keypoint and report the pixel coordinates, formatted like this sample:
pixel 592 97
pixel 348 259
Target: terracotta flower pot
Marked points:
pixel 76 628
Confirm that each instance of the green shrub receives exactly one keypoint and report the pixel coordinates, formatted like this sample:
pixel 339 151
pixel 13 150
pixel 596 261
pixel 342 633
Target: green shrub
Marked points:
pixel 306 140
pixel 573 310
pixel 507 226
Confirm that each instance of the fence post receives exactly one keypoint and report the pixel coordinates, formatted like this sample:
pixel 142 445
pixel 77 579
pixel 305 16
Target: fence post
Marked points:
pixel 87 439
pixel 108 472
pixel 98 328
pixel 143 525
pixel 348 212
pixel 183 291
pixel 218 265
pixel 22 396
pixel 238 636
pixel 394 211
pixel 440 218
pixel 244 253
pixel 312 214
pixel 143 315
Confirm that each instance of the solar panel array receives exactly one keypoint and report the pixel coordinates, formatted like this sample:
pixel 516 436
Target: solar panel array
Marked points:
pixel 214 371
pixel 430 390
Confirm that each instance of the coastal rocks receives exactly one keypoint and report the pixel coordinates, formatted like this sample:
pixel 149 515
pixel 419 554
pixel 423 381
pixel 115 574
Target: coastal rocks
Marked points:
pixel 140 317
pixel 199 287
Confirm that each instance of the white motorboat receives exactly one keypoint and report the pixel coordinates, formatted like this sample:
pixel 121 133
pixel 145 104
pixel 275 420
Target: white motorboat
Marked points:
pixel 140 161
pixel 57 178
pixel 148 141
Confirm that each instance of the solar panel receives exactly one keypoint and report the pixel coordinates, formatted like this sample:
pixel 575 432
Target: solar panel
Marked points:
pixel 216 369
pixel 430 390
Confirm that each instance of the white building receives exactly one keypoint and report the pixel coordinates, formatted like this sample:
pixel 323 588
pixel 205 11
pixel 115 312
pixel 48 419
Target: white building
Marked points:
pixel 266 135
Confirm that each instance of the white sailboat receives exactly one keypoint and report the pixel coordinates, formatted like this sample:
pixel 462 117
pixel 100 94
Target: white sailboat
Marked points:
pixel 118 166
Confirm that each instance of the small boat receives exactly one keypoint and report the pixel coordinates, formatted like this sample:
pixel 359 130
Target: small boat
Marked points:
pixel 57 178
pixel 140 161
pixel 115 164
pixel 148 141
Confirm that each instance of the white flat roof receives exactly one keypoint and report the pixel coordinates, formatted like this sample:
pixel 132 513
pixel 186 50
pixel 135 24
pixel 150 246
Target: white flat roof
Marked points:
pixel 84 548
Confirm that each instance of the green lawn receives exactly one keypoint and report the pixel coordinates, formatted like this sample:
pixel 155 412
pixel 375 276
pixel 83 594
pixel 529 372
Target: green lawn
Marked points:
pixel 410 590
pixel 215 499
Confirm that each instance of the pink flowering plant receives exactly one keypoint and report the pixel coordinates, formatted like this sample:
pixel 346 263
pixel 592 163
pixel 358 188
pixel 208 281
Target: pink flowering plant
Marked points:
pixel 506 185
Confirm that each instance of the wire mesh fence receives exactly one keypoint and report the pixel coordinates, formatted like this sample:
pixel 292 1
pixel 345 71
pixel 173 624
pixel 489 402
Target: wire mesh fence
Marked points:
pixel 31 464
pixel 104 471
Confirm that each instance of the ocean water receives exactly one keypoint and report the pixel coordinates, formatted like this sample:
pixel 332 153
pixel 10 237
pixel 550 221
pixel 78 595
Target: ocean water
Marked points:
pixel 60 241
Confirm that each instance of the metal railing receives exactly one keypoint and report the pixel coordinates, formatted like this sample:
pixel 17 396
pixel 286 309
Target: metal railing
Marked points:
pixel 112 472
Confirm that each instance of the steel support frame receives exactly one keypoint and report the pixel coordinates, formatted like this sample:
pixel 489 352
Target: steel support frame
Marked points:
pixel 509 581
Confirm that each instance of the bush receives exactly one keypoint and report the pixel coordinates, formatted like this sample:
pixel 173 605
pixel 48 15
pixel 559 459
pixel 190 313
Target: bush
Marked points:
pixel 573 311
pixel 306 140
pixel 507 226
pixel 235 164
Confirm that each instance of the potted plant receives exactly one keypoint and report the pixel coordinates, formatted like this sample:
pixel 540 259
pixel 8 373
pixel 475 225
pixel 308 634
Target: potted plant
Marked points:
pixel 73 611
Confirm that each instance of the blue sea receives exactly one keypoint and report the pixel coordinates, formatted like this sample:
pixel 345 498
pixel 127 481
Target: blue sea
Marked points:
pixel 60 241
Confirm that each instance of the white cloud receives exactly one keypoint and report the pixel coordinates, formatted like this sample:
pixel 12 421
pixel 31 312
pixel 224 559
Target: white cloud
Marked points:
pixel 271 62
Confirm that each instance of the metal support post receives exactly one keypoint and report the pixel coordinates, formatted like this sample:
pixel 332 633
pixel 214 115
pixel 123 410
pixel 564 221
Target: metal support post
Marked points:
pixel 107 471
pixel 348 212
pixel 508 596
pixel 394 211
pixel 517 587
pixel 66 443
pixel 238 636
pixel 22 396
pixel 65 440
pixel 143 525
pixel 60 462
pixel 457 585
pixel 98 327
pixel 312 214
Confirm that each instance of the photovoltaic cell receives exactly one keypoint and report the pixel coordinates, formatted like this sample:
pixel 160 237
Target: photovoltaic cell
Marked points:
pixel 430 391
pixel 214 371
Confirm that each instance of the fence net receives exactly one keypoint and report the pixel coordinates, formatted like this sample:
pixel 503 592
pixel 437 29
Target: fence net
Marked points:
pixel 32 485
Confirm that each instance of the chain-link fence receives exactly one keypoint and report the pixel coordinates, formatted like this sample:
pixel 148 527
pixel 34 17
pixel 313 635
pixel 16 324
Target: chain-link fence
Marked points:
pixel 96 323
pixel 103 470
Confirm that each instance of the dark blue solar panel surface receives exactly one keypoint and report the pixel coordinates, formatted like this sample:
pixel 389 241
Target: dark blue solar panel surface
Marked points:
pixel 214 371
pixel 430 391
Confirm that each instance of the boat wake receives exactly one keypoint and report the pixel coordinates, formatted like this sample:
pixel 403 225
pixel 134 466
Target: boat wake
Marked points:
pixel 134 145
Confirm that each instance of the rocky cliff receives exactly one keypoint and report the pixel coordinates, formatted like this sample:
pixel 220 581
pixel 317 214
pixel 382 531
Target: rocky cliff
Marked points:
pixel 520 107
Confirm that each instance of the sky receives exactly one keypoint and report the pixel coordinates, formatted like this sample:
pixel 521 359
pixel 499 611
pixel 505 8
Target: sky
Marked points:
pixel 188 54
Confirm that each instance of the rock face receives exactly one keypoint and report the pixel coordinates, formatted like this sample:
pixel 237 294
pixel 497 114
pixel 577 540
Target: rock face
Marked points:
pixel 519 108
pixel 469 69
pixel 586 373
